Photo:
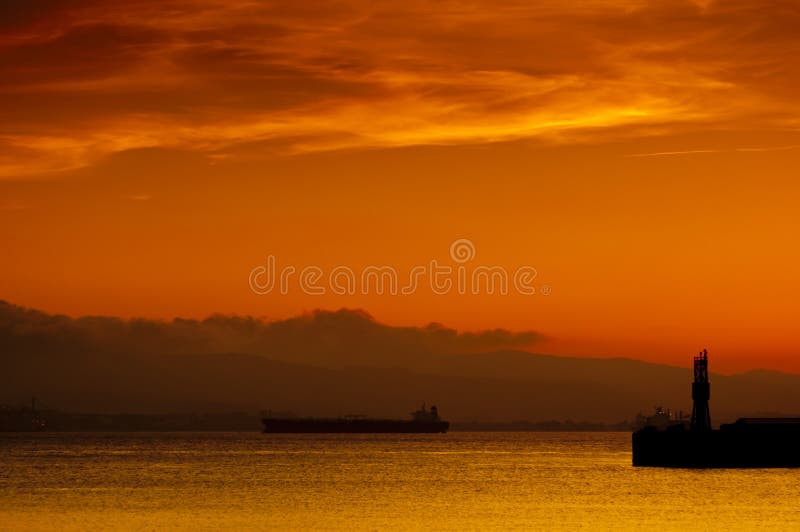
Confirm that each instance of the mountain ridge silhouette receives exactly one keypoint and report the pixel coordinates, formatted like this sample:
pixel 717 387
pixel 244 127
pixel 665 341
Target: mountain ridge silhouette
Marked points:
pixel 343 362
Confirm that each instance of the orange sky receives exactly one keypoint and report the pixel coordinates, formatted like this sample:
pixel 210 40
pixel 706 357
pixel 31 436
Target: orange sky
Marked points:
pixel 642 156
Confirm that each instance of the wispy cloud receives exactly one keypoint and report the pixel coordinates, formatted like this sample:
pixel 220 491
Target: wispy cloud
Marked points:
pixel 727 150
pixel 139 197
pixel 96 78
pixel 15 206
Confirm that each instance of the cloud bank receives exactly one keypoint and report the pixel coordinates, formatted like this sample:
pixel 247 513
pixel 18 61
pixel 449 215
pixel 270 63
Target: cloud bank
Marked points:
pixel 336 339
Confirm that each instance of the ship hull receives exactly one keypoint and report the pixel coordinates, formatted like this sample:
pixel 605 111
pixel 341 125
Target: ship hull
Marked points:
pixel 352 426
pixel 716 449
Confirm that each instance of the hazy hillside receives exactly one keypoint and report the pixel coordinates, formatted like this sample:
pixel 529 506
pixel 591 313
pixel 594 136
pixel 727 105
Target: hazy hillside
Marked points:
pixel 109 365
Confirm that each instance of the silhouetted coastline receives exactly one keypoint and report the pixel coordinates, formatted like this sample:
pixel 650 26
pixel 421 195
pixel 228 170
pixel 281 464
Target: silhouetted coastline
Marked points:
pixel 541 426
pixel 25 419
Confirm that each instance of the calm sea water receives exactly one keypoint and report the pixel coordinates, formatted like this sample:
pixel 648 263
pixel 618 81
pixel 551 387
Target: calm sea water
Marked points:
pixel 454 481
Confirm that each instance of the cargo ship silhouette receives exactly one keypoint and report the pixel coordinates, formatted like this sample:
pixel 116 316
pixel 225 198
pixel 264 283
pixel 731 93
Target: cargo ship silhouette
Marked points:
pixel 422 421
pixel 749 442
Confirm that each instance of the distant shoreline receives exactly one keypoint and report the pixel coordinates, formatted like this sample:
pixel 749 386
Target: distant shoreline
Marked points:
pixel 27 420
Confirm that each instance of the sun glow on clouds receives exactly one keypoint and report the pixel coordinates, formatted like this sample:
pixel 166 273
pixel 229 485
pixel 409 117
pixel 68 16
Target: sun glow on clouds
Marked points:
pixel 97 78
pixel 641 155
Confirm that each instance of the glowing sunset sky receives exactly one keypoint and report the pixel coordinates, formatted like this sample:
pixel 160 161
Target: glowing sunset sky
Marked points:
pixel 642 156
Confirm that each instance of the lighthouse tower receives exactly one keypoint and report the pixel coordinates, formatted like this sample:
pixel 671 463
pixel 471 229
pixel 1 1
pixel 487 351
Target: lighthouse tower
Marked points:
pixel 701 418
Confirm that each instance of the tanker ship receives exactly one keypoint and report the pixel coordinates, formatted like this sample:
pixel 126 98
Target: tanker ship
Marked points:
pixel 749 442
pixel 422 421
